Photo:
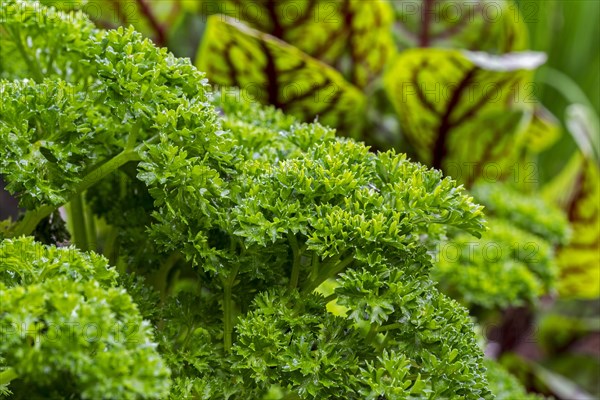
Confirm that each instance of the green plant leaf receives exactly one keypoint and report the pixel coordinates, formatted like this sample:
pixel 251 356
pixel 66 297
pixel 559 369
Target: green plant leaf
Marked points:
pixel 531 214
pixel 273 72
pixel 38 44
pixel 314 26
pixel 485 25
pixel 353 36
pixel 577 190
pixel 464 112
pixel 582 124
pixel 543 130
pixel 93 99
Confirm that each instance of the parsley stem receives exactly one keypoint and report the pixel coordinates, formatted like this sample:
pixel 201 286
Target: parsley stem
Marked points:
pixel 110 243
pixel 384 343
pixel 296 262
pixel 316 262
pixel 8 375
pixel 33 66
pixel 291 396
pixel 90 224
pixel 79 234
pixel 30 221
pixel 160 279
pixel 108 167
pixel 389 327
pixel 329 271
pixel 372 333
pixel 228 308
pixel 33 217
pixel 331 297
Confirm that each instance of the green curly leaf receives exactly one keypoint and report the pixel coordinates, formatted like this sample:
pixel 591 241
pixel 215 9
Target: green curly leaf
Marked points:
pixel 67 329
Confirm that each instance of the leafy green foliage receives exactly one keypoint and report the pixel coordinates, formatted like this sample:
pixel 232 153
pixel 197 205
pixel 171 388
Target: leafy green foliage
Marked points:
pixel 310 41
pixel 126 82
pixel 48 160
pixel 153 19
pixel 504 385
pixel 543 131
pixel 251 211
pixel 513 264
pixel 506 267
pixel 294 214
pixel 227 218
pixel 533 215
pixel 39 42
pixel 582 251
pixel 67 329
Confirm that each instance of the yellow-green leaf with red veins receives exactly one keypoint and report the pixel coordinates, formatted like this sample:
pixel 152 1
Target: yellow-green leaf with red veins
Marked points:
pixel 577 190
pixel 276 73
pixel 464 112
pixel 494 26
pixel 353 36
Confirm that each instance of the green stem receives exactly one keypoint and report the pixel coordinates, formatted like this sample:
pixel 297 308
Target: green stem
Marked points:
pixel 133 135
pixel 316 264
pixel 372 333
pixel 51 61
pixel 79 234
pixel 160 278
pixel 120 264
pixel 108 167
pixel 188 336
pixel 389 327
pixel 296 262
pixel 33 217
pixel 7 376
pixel 291 396
pixel 109 250
pixel 321 268
pixel 34 68
pixel 329 271
pixel 30 221
pixel 331 297
pixel 90 224
pixel 384 344
pixel 228 309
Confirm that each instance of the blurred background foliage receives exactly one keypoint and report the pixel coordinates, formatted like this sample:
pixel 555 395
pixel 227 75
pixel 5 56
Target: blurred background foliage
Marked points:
pixel 541 317
pixel 568 32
